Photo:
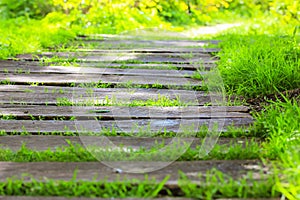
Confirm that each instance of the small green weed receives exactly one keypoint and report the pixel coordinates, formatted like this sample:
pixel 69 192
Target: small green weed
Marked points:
pixel 159 101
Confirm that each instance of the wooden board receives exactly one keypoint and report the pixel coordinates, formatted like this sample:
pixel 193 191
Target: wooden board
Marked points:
pixel 6 64
pixel 85 90
pixel 190 66
pixel 143 34
pixel 120 54
pixel 124 59
pixel 152 43
pixel 141 126
pixel 98 171
pixel 96 70
pixel 152 50
pixel 41 142
pixel 41 95
pixel 122 112
pixel 66 79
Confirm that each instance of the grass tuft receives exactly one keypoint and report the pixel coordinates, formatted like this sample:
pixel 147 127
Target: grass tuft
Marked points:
pixel 255 65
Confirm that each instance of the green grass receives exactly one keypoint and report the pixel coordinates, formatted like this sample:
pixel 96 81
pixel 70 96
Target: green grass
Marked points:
pixel 255 65
pixel 78 153
pixel 46 61
pixel 77 188
pixel 219 185
pixel 161 100
pixel 143 131
pixel 288 181
pixel 216 185
pixel 7 117
pixel 129 84
pixel 23 35
pixel 279 123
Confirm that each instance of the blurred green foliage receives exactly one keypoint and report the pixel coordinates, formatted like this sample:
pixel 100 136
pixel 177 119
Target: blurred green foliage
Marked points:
pixel 47 22
pixel 119 15
pixel 28 8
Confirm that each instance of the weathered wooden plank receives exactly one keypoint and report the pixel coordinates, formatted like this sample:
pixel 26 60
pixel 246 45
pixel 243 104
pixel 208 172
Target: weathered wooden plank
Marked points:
pixel 152 43
pixel 191 66
pixel 96 70
pixel 165 53
pixel 194 170
pixel 124 59
pixel 178 110
pixel 48 99
pixel 41 142
pixel 151 50
pixel 66 79
pixel 124 112
pixel 141 126
pixel 144 35
pixel 5 64
pixel 15 63
pixel 138 34
pixel 83 90
pixel 49 95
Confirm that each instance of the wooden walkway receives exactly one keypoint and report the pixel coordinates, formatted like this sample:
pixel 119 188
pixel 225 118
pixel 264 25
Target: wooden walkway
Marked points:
pixel 142 88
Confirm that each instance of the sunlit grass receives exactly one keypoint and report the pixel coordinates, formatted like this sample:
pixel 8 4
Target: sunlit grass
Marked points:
pixel 215 184
pixel 27 36
pixel 259 65
pixel 158 151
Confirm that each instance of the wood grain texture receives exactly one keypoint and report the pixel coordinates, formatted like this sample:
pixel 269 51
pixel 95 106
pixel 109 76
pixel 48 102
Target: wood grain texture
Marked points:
pixel 166 44
pixel 141 126
pixel 166 53
pixel 66 79
pixel 96 71
pixel 152 50
pixel 6 64
pixel 123 58
pixel 41 142
pixel 124 112
pixel 42 95
pixel 98 171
